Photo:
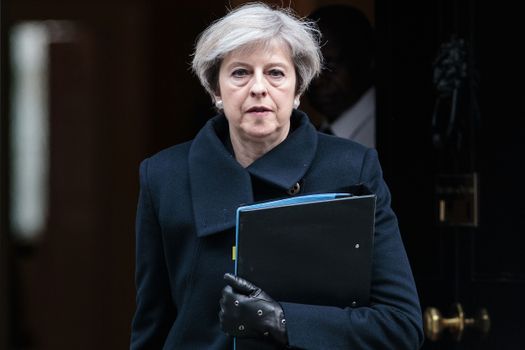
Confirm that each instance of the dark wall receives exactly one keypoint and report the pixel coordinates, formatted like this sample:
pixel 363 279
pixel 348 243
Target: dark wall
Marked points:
pixel 119 91
pixel 4 251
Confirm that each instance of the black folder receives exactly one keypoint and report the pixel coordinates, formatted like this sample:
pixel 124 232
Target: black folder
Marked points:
pixel 314 249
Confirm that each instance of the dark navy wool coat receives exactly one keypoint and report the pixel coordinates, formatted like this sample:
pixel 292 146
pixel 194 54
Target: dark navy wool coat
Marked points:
pixel 185 233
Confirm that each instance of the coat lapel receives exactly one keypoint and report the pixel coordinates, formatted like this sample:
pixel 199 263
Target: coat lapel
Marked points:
pixel 219 184
pixel 287 163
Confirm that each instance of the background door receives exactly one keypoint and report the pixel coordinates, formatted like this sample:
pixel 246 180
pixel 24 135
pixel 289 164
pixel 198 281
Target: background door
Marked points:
pixel 430 154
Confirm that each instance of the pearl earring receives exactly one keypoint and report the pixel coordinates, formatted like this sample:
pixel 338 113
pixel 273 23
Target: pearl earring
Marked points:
pixel 296 103
pixel 219 104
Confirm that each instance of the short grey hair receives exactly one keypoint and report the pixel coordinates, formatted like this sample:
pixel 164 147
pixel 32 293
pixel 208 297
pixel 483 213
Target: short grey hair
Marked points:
pixel 256 24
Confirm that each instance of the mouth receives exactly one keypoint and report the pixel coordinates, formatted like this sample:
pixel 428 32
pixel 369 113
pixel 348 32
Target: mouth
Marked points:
pixel 258 109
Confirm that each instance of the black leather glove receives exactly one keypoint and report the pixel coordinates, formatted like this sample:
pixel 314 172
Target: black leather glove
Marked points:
pixel 248 312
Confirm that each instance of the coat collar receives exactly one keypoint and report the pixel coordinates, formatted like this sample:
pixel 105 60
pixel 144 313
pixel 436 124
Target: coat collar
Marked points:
pixel 219 184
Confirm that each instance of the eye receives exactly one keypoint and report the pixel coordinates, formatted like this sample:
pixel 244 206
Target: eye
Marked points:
pixel 276 73
pixel 240 73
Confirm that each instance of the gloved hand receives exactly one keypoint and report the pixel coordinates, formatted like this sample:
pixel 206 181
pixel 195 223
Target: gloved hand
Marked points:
pixel 248 312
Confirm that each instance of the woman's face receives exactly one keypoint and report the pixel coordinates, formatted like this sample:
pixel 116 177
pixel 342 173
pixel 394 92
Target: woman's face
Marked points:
pixel 257 88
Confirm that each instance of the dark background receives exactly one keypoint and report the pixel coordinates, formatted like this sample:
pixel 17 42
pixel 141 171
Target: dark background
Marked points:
pixel 122 90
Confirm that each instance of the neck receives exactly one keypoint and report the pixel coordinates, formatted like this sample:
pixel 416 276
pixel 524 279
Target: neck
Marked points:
pixel 248 151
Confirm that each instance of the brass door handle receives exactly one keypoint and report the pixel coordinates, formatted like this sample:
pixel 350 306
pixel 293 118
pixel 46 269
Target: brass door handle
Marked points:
pixel 435 323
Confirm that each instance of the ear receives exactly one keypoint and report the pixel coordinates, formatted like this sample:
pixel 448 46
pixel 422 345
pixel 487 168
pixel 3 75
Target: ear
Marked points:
pixel 218 102
pixel 297 101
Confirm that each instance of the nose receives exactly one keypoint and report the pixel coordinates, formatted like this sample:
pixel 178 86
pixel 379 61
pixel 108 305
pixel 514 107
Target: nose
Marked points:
pixel 258 88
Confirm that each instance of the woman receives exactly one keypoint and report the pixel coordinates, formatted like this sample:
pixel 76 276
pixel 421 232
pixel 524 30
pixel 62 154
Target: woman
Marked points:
pixel 255 63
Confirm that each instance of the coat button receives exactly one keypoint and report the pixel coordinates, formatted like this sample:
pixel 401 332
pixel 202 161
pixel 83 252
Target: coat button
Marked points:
pixel 295 189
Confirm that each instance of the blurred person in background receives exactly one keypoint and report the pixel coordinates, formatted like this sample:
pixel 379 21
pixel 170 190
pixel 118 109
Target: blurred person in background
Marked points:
pixel 344 93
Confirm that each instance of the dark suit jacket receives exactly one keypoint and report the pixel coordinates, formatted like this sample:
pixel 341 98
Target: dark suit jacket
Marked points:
pixel 184 238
